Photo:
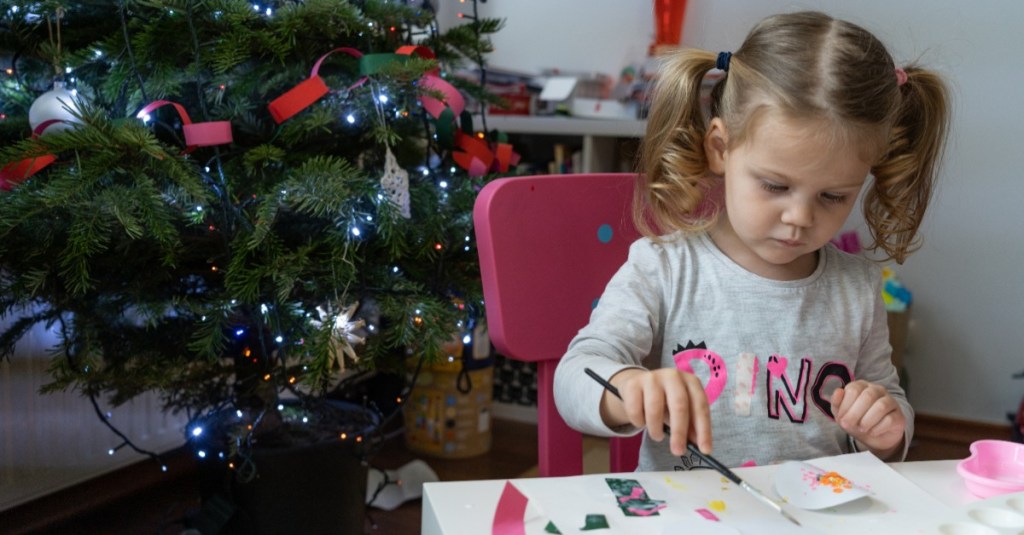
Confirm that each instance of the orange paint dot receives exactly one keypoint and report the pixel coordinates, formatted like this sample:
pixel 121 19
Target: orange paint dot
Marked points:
pixel 836 481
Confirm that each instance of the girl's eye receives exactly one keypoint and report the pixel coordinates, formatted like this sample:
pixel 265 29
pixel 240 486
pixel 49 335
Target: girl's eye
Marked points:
pixel 773 188
pixel 833 198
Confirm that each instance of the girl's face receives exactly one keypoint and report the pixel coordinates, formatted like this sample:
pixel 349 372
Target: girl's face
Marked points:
pixel 788 191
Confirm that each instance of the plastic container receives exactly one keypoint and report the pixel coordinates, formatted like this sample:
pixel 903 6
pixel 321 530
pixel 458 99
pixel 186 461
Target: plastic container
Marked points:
pixel 994 467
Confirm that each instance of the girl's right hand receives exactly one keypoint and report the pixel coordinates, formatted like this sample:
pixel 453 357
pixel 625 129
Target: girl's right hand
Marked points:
pixel 648 394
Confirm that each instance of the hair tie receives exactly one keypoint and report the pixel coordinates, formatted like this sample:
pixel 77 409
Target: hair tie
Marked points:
pixel 901 76
pixel 722 63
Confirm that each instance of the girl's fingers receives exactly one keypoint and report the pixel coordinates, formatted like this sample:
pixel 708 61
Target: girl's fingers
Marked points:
pixel 700 415
pixel 679 406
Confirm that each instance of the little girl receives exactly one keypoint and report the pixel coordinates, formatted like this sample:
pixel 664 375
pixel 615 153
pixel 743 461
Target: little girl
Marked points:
pixel 740 326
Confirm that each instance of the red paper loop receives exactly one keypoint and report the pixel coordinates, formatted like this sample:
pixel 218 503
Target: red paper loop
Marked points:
pixel 421 51
pixel 476 157
pixel 309 90
pixel 196 134
pixel 503 157
pixel 297 99
pixel 17 172
pixel 452 98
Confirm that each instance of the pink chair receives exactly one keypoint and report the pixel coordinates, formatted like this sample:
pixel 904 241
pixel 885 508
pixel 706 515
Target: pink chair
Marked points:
pixel 548 246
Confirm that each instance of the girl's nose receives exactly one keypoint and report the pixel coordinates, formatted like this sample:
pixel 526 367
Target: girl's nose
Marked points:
pixel 798 214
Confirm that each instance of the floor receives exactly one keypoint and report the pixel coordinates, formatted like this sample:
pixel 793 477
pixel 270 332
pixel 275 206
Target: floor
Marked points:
pixel 161 509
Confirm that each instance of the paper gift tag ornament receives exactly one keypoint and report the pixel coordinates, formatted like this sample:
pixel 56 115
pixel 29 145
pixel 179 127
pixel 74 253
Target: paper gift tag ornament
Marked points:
pixel 806 486
pixel 57 106
pixel 396 184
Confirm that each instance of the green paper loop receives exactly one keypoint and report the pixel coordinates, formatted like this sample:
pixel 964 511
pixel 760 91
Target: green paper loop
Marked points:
pixel 446 129
pixel 371 64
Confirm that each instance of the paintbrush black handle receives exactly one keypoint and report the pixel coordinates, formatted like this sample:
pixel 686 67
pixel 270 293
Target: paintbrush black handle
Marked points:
pixel 719 467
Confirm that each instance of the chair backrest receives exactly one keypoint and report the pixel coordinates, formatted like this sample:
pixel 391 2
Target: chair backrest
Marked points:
pixel 548 245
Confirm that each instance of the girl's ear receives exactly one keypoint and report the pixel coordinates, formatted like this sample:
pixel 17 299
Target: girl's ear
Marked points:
pixel 716 143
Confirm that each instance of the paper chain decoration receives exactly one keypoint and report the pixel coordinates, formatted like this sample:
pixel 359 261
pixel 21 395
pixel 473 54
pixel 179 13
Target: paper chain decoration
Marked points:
pixel 472 154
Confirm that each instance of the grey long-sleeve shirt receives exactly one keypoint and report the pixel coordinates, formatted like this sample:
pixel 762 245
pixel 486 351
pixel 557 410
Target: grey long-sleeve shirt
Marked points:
pixel 769 353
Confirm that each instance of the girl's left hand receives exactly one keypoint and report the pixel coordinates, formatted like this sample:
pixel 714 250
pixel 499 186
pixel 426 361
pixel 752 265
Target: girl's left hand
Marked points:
pixel 870 415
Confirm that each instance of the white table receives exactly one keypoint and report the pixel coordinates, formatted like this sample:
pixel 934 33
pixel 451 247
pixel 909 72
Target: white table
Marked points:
pixel 467 507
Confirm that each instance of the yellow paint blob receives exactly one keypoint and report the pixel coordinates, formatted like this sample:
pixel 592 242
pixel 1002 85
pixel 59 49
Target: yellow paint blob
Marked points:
pixel 716 505
pixel 674 484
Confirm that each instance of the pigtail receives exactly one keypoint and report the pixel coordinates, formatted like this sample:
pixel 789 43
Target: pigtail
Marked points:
pixel 895 205
pixel 671 161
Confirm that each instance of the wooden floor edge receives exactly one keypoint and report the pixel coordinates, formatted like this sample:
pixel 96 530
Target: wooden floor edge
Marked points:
pixel 958 431
pixel 100 491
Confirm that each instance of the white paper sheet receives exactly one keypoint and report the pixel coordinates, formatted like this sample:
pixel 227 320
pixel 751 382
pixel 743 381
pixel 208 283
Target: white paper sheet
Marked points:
pixel 895 506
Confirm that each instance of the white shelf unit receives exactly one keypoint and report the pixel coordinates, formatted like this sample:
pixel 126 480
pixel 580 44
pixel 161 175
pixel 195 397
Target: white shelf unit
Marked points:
pixel 599 136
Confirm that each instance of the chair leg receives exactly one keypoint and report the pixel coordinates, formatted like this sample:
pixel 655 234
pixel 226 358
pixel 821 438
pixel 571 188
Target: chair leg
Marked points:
pixel 624 453
pixel 559 447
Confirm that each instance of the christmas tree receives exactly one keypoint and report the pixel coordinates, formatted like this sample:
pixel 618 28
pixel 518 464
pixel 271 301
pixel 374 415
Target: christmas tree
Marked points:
pixel 230 202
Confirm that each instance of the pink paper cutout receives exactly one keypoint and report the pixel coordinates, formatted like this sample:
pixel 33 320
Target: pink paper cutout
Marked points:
pixel 646 512
pixel 635 494
pixel 707 514
pixel 508 517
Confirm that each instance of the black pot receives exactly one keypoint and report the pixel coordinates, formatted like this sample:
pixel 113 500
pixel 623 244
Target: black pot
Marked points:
pixel 317 488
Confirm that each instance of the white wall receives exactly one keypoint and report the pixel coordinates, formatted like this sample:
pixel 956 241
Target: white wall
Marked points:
pixel 967 329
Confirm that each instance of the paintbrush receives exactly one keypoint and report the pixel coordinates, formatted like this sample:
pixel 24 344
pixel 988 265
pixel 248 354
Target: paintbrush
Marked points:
pixel 719 467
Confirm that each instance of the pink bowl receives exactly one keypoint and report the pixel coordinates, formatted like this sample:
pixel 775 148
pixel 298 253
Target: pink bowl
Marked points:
pixel 994 467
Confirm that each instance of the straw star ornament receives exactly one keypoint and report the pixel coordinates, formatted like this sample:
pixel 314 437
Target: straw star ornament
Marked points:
pixel 344 333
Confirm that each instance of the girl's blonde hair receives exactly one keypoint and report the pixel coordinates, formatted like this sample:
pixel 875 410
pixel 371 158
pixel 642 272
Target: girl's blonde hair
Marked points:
pixel 805 65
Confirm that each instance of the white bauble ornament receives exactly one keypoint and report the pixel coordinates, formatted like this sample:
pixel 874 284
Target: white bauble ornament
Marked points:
pixel 56 104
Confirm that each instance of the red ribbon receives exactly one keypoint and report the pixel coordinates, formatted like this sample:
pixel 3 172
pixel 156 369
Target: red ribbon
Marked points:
pixel 308 91
pixel 204 134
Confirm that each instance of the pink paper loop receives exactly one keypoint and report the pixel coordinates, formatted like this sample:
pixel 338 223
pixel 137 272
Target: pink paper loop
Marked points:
pixel 452 98
pixel 196 134
pixel 508 516
pixel 208 134
pixel 348 50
